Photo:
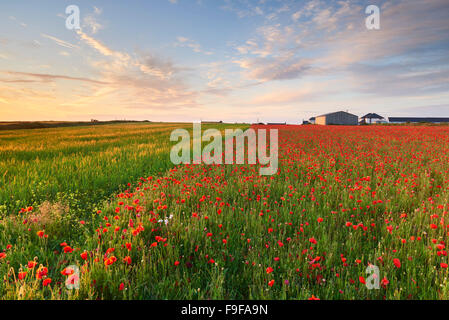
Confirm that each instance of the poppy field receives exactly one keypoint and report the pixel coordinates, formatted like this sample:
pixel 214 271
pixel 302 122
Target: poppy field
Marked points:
pixel 343 199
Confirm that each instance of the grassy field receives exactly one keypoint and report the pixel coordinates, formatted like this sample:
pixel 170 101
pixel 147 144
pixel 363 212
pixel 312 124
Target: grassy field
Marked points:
pixel 344 198
pixel 80 165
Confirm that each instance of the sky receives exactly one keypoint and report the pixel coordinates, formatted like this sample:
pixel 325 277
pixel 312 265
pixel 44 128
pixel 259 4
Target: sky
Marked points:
pixel 229 60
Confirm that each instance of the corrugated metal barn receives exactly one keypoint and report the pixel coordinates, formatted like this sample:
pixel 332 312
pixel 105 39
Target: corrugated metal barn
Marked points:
pixel 411 119
pixel 337 118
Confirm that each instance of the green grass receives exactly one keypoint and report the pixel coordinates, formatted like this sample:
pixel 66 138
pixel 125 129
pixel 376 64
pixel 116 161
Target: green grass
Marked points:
pixel 83 165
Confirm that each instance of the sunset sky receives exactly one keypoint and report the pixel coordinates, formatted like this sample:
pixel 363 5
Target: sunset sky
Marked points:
pixel 232 60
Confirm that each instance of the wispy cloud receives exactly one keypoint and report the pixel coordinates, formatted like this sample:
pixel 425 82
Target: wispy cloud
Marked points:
pixel 90 21
pixel 141 80
pixel 275 68
pixel 103 49
pixel 60 42
pixel 244 8
pixel 22 24
pixel 195 46
pixel 43 77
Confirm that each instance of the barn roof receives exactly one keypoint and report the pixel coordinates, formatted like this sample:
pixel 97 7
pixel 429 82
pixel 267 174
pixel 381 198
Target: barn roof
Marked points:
pixel 372 116
pixel 327 114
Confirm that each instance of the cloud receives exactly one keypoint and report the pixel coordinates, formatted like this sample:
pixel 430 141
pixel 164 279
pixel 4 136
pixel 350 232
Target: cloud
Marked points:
pixel 406 57
pixel 142 80
pixel 195 46
pixel 100 47
pixel 297 15
pixel 400 79
pixel 43 77
pixel 91 22
pixel 284 97
pixel 60 42
pixel 331 38
pixel 274 68
pixel 244 8
pixel 121 61
pixel 98 11
pixel 270 40
pixel 22 24
pixel 156 66
pixel 440 110
pixel 10 94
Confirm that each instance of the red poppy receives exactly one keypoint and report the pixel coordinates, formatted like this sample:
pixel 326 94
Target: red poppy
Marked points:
pixel 127 260
pixel 397 263
pixel 110 260
pixel 22 275
pixel 68 249
pixel 41 273
pixel 46 282
pixel 84 255
pixel 67 271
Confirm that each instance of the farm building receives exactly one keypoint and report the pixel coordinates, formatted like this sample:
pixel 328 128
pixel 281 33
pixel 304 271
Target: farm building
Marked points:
pixel 371 118
pixel 337 118
pixel 417 120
